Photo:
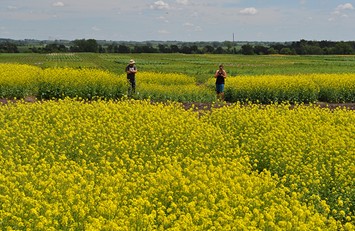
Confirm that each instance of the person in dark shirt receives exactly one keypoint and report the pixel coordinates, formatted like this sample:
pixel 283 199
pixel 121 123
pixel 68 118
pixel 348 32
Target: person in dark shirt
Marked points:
pixel 220 76
pixel 131 71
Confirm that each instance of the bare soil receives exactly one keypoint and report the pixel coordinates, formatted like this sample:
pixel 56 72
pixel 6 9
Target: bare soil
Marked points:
pixel 206 106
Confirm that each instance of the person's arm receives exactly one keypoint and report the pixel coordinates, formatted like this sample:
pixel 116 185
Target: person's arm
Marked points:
pixel 216 74
pixel 224 74
pixel 134 70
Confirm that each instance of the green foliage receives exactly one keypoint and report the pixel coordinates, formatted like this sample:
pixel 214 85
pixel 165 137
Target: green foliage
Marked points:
pixel 268 89
pixel 249 77
pixel 336 89
pixel 201 67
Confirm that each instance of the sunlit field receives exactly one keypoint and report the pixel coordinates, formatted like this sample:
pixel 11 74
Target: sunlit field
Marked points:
pixel 20 81
pixel 86 155
pixel 202 67
pixel 123 165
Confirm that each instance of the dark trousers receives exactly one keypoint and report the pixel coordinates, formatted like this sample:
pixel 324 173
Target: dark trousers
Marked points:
pixel 132 86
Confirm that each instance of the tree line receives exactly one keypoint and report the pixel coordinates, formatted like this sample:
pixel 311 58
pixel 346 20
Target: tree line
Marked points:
pixel 302 47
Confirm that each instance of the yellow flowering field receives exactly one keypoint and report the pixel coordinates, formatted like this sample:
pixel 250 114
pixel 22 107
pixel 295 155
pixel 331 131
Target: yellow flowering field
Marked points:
pixel 133 165
pixel 332 88
pixel 85 83
pixel 18 80
pixel 173 87
pixel 336 88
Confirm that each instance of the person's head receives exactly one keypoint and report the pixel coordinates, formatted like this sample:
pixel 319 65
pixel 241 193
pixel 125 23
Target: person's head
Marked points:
pixel 221 66
pixel 131 62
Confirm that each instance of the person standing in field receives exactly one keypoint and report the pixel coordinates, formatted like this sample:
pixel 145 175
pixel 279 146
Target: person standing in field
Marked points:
pixel 220 76
pixel 131 71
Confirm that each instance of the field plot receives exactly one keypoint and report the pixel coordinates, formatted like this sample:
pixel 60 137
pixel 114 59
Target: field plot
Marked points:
pixel 20 81
pixel 85 156
pixel 201 67
pixel 133 165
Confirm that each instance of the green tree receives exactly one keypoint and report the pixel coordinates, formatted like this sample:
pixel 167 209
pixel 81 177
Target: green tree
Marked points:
pixel 247 49
pixel 208 49
pixel 82 45
pixel 8 47
pixel 343 48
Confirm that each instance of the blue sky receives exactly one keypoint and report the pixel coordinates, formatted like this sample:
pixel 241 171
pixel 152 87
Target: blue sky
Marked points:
pixel 180 20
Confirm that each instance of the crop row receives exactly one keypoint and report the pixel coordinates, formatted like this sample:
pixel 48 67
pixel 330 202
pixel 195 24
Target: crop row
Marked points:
pixel 333 88
pixel 22 80
pixel 133 165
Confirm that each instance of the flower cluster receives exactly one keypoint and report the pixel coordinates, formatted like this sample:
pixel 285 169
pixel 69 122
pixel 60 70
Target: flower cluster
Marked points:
pixel 57 83
pixel 124 165
pixel 19 81
pixel 292 88
pixel 171 86
pixel 309 148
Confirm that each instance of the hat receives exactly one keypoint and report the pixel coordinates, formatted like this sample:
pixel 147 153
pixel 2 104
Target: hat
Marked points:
pixel 132 61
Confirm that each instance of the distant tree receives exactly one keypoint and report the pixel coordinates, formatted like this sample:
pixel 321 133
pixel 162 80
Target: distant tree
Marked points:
pixel 194 49
pixel 137 49
pixel 260 50
pixel 163 49
pixel 271 51
pixel 229 46
pixel 216 44
pixel 123 49
pixel 82 45
pixel 313 50
pixel 101 49
pixel 208 49
pixel 278 47
pixel 219 50
pixel 325 43
pixel 174 49
pixel 343 48
pixel 34 49
pixel 185 49
pixel 149 49
pixel 286 51
pixel 247 49
pixel 8 47
pixel 54 48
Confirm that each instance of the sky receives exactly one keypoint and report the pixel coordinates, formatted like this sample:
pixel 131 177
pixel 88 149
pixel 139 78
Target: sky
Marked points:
pixel 178 20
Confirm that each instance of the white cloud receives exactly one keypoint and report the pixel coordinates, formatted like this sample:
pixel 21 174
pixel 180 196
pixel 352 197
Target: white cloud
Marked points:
pixel 339 11
pixel 249 11
pixel 198 28
pixel 160 5
pixel 95 28
pixel 188 24
pixel 346 6
pixel 163 32
pixel 191 27
pixel 12 8
pixel 183 2
pixel 58 4
pixel 164 19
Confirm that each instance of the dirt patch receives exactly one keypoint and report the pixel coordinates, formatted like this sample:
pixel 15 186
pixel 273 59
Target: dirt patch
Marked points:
pixel 197 106
pixel 350 106
pixel 29 99
pixel 209 106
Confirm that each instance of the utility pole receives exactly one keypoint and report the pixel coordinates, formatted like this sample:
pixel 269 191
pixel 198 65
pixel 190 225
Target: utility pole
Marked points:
pixel 233 44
